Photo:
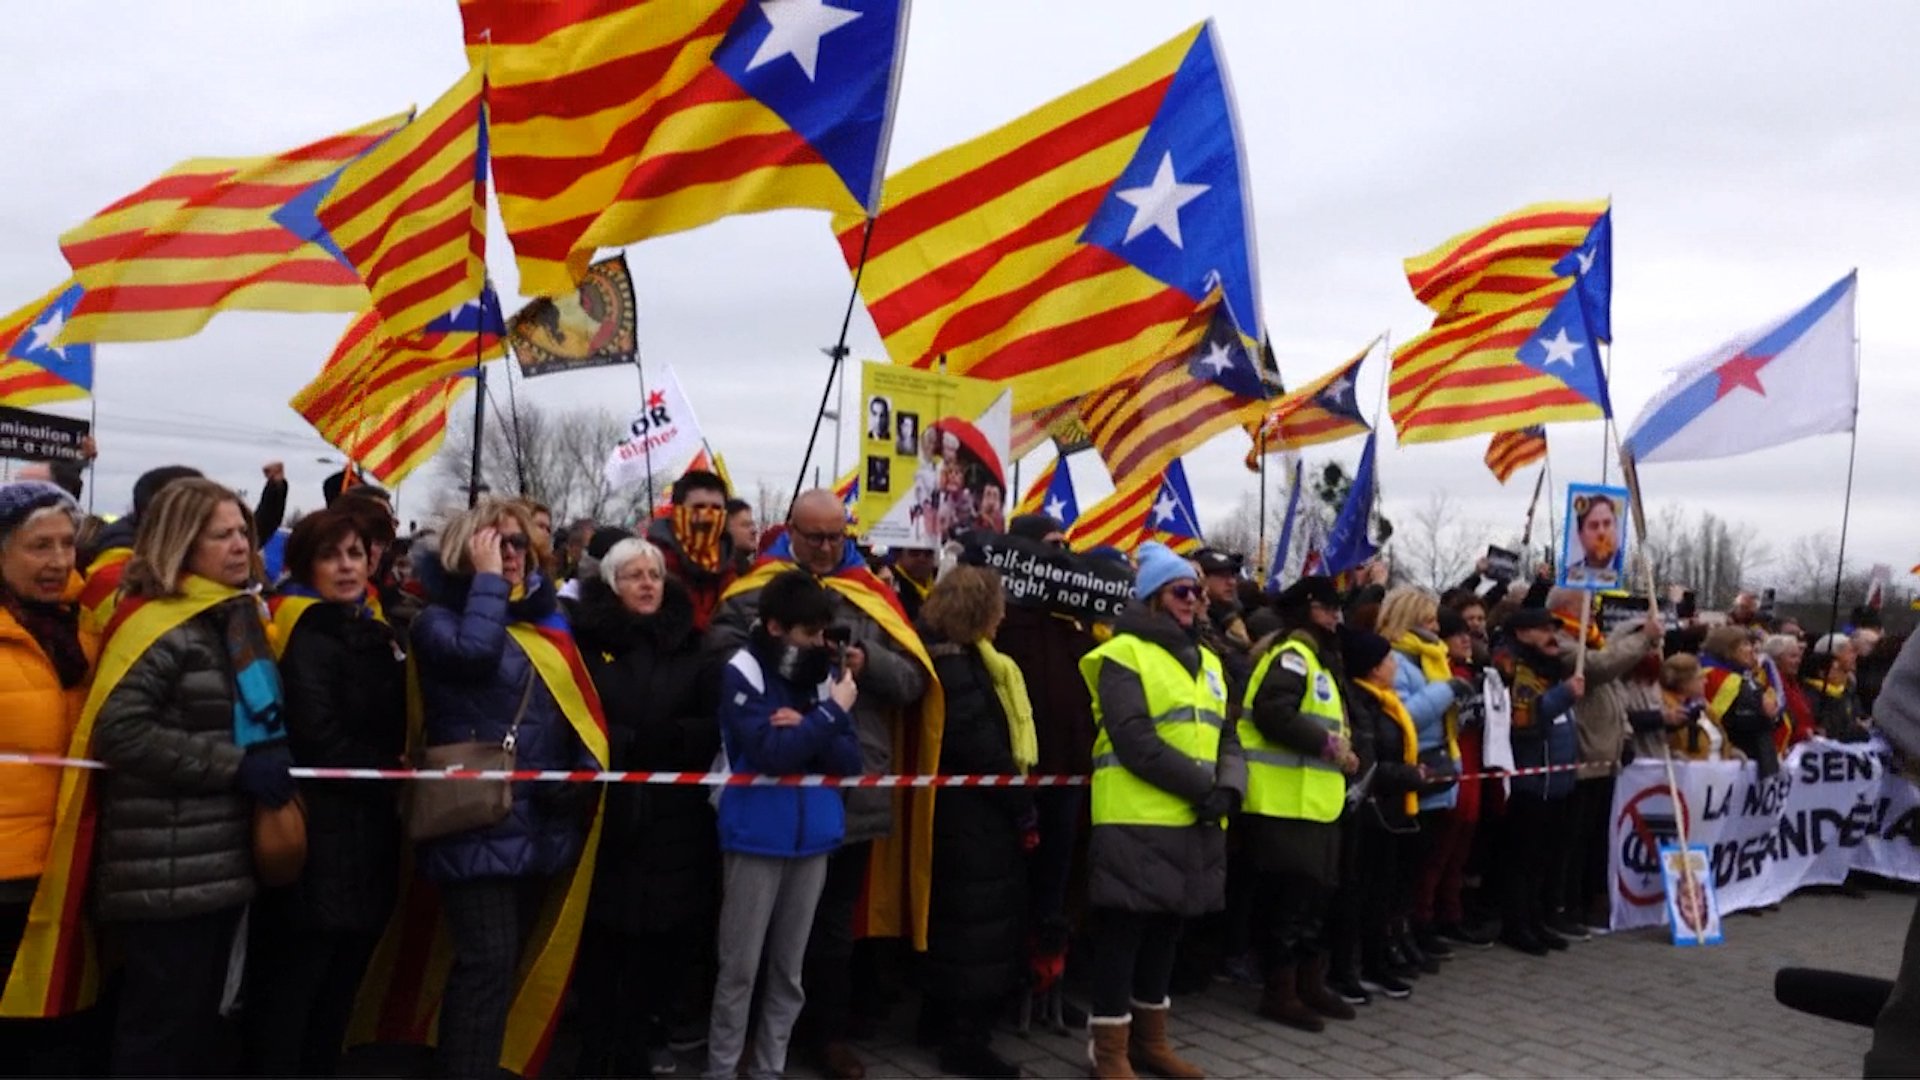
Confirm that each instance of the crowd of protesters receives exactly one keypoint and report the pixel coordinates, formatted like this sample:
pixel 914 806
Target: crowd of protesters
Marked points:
pixel 1290 790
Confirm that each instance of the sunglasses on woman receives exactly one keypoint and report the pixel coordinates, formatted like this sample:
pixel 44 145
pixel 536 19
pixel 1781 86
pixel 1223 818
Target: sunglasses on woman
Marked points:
pixel 1184 592
pixel 516 541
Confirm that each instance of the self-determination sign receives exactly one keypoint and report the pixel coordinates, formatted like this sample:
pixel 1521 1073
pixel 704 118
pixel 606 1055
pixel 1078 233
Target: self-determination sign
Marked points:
pixel 32 436
pixel 1832 807
pixel 1080 586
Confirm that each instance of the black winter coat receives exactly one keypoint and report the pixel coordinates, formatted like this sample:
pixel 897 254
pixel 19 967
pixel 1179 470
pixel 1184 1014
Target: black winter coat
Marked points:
pixel 1048 649
pixel 1290 845
pixel 174 837
pixel 976 925
pixel 1380 744
pixel 346 686
pixel 659 857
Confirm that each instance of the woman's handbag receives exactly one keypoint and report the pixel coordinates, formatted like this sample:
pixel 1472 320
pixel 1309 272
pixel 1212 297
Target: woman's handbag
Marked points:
pixel 436 808
pixel 280 842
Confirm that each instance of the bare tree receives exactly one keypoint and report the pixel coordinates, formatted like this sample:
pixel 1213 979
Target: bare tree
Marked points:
pixel 770 503
pixel 1238 531
pixel 552 456
pixel 1436 547
pixel 1711 556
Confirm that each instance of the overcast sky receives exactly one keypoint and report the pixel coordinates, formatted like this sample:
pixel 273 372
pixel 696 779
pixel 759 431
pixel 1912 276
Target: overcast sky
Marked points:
pixel 1755 151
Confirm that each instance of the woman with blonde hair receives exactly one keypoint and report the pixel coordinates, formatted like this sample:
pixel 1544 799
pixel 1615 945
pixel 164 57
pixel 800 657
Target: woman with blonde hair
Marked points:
pixel 1423 681
pixel 497 665
pixel 187 714
pixel 976 927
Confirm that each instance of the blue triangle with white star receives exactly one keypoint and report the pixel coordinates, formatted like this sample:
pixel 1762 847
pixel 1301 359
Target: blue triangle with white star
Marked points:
pixel 1341 396
pixel 1592 263
pixel 38 344
pixel 1180 211
pixel 1223 358
pixel 1061 502
pixel 1564 347
pixel 1173 511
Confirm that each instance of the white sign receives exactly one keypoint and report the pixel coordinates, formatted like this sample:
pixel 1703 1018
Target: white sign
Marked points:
pixel 1832 807
pixel 662 436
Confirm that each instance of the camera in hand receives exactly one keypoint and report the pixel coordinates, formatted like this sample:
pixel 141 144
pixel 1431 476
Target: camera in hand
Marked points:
pixel 838 637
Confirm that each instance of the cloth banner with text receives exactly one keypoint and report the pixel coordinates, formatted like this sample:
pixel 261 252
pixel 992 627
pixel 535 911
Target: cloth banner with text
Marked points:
pixel 933 455
pixel 662 436
pixel 1833 807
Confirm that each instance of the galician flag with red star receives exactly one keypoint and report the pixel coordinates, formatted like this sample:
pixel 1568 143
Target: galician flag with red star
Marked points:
pixel 1789 379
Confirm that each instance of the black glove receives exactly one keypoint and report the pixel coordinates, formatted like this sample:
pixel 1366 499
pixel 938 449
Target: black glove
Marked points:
pixel 1220 803
pixel 1462 688
pixel 263 776
pixel 1646 721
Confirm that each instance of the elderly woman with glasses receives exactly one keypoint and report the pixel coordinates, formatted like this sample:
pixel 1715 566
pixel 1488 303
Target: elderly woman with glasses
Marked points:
pixel 1167 773
pixel 491 650
pixel 656 880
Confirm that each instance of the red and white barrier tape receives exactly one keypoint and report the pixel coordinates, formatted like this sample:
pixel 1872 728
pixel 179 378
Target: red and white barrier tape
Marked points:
pixel 688 779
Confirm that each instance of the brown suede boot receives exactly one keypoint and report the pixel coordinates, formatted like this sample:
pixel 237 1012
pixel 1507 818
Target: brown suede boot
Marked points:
pixel 1316 995
pixel 1281 1001
pixel 1107 1048
pixel 1150 1049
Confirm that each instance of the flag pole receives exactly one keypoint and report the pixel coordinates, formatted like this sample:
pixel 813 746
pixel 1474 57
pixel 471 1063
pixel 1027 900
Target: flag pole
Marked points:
pixel 1260 444
pixel 93 432
pixel 839 355
pixel 1607 433
pixel 1526 534
pixel 479 423
pixel 646 438
pixel 519 444
pixel 1846 510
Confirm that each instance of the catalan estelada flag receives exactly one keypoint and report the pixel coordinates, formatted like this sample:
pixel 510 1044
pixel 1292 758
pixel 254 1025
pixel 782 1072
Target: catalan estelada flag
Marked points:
pixel 411 214
pixel 1158 506
pixel 1052 494
pixel 1535 362
pixel 392 441
pixel 848 488
pixel 368 370
pixel 617 120
pixel 1207 383
pixel 201 239
pixel 1323 411
pixel 34 367
pixel 1496 264
pixel 1511 451
pixel 1065 248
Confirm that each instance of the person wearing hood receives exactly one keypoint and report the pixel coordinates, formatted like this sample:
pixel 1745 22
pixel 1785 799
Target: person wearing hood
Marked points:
pixel 1543 689
pixel 1047 647
pixel 479 647
pixel 694 540
pixel 1738 699
pixel 1167 774
pixel 656 879
pixel 1296 738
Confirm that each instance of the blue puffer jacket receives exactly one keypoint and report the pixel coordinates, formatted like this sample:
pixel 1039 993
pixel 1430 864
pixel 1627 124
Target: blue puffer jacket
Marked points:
pixel 1427 702
pixel 1544 732
pixel 785 822
pixel 472 677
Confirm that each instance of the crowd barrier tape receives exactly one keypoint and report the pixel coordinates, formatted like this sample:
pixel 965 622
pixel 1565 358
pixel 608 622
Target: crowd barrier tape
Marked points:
pixel 692 779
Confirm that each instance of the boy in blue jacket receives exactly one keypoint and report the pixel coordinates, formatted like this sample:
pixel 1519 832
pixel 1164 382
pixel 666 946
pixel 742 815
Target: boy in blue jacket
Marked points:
pixel 785 709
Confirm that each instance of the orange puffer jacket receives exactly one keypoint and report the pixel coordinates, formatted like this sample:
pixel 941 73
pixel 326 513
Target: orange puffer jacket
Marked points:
pixel 36 717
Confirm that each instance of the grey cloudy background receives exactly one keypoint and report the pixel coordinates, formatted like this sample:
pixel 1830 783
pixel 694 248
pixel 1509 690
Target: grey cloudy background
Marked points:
pixel 1755 151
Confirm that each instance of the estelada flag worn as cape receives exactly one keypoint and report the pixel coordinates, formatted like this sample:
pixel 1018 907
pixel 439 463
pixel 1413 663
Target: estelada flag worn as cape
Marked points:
pixel 400 996
pixel 102 590
pixel 900 871
pixel 57 970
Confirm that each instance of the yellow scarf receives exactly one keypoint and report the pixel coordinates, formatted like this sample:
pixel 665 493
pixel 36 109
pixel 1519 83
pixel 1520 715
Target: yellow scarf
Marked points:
pixel 1409 739
pixel 1011 687
pixel 1433 664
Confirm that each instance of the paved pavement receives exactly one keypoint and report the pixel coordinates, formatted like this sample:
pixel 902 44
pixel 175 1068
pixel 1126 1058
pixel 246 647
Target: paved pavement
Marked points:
pixel 1622 1005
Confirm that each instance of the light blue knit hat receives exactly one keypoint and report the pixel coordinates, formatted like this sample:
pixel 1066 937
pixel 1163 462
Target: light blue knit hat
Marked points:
pixel 1157 566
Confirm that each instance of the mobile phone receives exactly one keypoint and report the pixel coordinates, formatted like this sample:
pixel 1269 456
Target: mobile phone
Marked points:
pixel 839 637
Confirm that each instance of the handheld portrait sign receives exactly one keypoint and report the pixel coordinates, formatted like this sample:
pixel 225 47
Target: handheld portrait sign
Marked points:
pixel 934 455
pixel 33 436
pixel 1693 909
pixel 1594 544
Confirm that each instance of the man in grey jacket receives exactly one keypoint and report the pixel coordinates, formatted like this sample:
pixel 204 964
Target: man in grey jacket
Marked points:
pixel 1896 1036
pixel 890 682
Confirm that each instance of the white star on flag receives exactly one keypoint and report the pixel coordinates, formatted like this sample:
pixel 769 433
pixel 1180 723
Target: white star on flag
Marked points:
pixel 1157 206
pixel 1219 357
pixel 1586 259
pixel 1056 508
pixel 1338 389
pixel 795 28
pixel 1560 349
pixel 46 332
pixel 1164 508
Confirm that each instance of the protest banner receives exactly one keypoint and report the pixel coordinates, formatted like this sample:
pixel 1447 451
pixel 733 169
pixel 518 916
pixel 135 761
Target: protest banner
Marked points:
pixel 1058 581
pixel 1594 543
pixel 1832 807
pixel 662 436
pixel 933 451
pixel 592 327
pixel 30 436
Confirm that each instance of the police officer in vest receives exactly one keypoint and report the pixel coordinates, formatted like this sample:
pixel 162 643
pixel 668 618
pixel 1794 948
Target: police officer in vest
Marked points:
pixel 1167 774
pixel 1294 734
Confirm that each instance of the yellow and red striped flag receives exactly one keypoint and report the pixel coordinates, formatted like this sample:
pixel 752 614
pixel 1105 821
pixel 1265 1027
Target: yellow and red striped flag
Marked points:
pixel 1493 266
pixel 389 440
pixel 411 214
pixel 1061 423
pixel 201 239
pixel 1064 248
pixel 369 369
pixel 1158 506
pixel 24 383
pixel 1207 382
pixel 1533 362
pixel 1323 411
pixel 1511 451
pixel 617 120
